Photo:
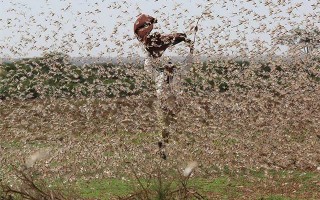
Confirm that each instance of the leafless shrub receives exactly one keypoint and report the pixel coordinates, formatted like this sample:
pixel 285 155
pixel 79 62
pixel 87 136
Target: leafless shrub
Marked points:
pixel 29 188
pixel 162 183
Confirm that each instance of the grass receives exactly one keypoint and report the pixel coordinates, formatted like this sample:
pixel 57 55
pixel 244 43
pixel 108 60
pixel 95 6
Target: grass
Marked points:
pixel 254 184
pixel 103 188
pixel 275 197
pixel 225 183
pixel 12 144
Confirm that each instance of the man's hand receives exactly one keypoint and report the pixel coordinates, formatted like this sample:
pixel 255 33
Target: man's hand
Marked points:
pixel 190 44
pixel 154 20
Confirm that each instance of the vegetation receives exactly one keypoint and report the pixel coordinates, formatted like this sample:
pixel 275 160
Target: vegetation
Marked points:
pixel 54 76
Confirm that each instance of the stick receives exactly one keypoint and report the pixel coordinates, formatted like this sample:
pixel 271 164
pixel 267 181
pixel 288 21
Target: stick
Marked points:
pixel 196 27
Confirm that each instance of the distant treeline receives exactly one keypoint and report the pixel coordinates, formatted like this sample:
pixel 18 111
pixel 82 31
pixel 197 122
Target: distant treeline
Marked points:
pixel 53 75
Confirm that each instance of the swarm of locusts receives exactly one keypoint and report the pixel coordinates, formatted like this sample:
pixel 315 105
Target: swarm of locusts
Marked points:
pixel 86 87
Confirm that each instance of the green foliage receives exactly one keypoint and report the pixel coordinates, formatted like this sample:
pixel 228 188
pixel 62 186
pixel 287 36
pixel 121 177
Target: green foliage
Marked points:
pixel 52 75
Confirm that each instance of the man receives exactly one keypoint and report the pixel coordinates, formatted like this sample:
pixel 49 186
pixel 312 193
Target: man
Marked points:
pixel 164 75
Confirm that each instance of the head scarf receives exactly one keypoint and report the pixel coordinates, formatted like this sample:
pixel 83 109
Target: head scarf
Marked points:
pixel 143 26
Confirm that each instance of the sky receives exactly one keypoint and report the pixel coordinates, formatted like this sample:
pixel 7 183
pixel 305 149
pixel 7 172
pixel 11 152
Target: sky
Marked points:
pixel 104 28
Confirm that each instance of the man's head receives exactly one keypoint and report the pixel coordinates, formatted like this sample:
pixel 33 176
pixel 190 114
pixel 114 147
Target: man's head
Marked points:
pixel 143 26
